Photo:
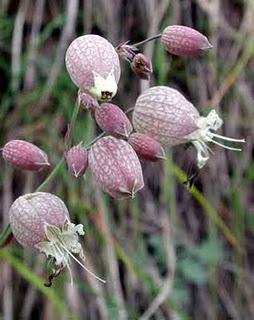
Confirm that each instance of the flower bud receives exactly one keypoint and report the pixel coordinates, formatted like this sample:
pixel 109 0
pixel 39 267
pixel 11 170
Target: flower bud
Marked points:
pixel 126 51
pixel 116 167
pixel 24 155
pixel 77 160
pixel 41 220
pixel 93 65
pixel 87 101
pixel 146 147
pixel 166 115
pixel 184 41
pixel 142 66
pixel 111 119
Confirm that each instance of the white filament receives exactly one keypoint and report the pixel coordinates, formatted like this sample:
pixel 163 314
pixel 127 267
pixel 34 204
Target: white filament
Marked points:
pixel 205 133
pixel 60 244
pixel 85 268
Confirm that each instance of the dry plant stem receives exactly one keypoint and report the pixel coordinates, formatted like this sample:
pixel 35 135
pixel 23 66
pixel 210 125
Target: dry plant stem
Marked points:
pixel 147 40
pixel 114 282
pixel 171 263
pixel 17 44
pixel 67 32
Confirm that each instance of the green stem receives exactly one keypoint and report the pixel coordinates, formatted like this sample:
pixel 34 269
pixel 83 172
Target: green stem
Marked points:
pixel 95 139
pixel 6 233
pixel 147 40
pixel 4 236
pixel 52 174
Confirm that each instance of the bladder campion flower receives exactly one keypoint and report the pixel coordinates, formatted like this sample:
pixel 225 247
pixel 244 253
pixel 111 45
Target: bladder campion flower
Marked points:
pixel 146 147
pixel 93 65
pixel 77 160
pixel 184 41
pixel 167 116
pixel 25 155
pixel 41 220
pixel 116 167
pixel 111 119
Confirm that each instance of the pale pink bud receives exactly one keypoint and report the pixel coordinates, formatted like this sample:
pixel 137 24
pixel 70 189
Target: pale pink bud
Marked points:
pixel 77 160
pixel 184 41
pixel 87 101
pixel 142 66
pixel 111 119
pixel 166 115
pixel 116 167
pixel 93 65
pixel 24 155
pixel 41 220
pixel 146 147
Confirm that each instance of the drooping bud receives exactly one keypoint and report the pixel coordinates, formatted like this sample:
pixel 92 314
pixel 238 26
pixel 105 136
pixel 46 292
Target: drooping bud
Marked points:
pixel 116 167
pixel 41 220
pixel 24 155
pixel 87 101
pixel 166 115
pixel 77 160
pixel 126 51
pixel 111 119
pixel 93 65
pixel 184 41
pixel 146 147
pixel 142 66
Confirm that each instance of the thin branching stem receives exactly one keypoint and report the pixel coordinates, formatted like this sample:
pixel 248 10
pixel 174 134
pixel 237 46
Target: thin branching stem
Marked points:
pixel 147 40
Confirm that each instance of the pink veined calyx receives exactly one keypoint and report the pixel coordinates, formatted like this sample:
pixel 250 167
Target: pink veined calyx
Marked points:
pixel 167 116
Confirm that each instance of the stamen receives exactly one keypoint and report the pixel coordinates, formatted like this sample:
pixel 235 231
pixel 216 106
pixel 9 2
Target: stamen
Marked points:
pixel 85 268
pixel 227 138
pixel 66 260
pixel 224 146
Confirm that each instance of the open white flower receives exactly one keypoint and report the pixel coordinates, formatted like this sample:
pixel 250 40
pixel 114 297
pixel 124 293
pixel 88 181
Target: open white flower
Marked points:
pixel 166 115
pixel 41 220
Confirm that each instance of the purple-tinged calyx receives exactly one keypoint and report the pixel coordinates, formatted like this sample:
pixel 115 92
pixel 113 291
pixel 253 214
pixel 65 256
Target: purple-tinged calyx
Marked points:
pixel 126 52
pixel 184 41
pixel 87 101
pixel 142 66
pixel 116 167
pixel 146 147
pixel 77 160
pixel 25 155
pixel 111 119
pixel 41 220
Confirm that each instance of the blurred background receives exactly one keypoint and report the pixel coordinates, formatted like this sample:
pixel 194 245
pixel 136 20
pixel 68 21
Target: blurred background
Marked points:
pixel 172 252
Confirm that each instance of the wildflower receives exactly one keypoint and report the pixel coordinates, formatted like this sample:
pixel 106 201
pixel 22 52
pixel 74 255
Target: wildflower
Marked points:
pixel 116 167
pixel 24 155
pixel 184 41
pixel 142 66
pixel 93 65
pixel 167 116
pixel 146 147
pixel 111 119
pixel 77 160
pixel 41 220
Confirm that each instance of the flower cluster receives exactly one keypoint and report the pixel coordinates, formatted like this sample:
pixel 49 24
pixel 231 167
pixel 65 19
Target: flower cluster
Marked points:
pixel 161 116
